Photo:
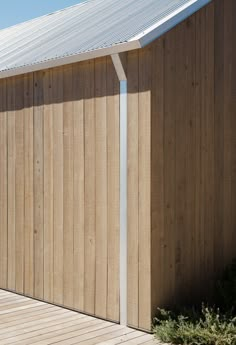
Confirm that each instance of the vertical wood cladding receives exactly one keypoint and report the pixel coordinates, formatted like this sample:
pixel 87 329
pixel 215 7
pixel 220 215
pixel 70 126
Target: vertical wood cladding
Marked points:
pixel 59 173
pixel 59 186
pixel 184 84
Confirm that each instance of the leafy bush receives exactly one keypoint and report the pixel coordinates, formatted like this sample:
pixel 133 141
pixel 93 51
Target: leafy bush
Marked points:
pixel 205 325
pixel 210 328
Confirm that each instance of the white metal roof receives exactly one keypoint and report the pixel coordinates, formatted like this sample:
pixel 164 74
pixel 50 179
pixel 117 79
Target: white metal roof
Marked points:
pixel 90 29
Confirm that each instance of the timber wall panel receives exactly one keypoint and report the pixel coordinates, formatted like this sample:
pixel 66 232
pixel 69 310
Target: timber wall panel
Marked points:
pixel 195 147
pixel 3 185
pixel 59 213
pixel 191 80
pixel 60 173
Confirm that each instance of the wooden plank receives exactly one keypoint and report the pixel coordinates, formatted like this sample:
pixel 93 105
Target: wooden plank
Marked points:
pixel 29 185
pixel 51 321
pixel 128 334
pixel 145 189
pixel 23 307
pixel 228 132
pixel 110 334
pixel 113 191
pixel 33 325
pixel 209 152
pixel 38 187
pixel 180 174
pixel 68 188
pixel 20 196
pixel 157 176
pixel 48 186
pixel 3 185
pixel 46 334
pixel 140 340
pixel 31 313
pixel 78 336
pixel 79 177
pixel 218 134
pixel 34 310
pixel 29 321
pixel 233 111
pixel 133 187
pixel 89 220
pixel 57 85
pixel 198 182
pixel 169 166
pixel 11 183
pixel 101 188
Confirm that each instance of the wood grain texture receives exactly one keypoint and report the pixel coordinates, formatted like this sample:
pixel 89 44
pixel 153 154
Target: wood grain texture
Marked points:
pixel 192 225
pixel 101 188
pixel 113 190
pixel 38 187
pixel 197 153
pixel 133 188
pixel 48 186
pixel 89 190
pixel 144 137
pixel 68 187
pixel 59 233
pixel 29 185
pixel 3 185
pixel 20 196
pixel 58 156
pixel 11 153
pixel 59 176
pixel 79 177
pixel 31 322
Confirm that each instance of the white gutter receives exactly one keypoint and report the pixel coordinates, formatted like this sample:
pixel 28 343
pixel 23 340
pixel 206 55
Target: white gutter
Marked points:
pixel 167 23
pixel 123 187
pixel 137 42
pixel 116 49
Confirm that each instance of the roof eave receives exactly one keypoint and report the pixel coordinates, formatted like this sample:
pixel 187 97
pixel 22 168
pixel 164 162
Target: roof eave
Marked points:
pixel 116 49
pixel 136 42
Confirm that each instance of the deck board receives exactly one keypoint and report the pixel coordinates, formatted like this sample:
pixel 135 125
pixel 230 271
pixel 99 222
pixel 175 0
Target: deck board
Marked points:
pixel 26 321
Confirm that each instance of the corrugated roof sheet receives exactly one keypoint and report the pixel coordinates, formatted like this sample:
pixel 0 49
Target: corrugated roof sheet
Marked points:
pixel 83 28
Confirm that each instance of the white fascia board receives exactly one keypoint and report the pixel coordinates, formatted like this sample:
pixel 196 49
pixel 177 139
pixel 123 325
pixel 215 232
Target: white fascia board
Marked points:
pixel 169 22
pixel 116 49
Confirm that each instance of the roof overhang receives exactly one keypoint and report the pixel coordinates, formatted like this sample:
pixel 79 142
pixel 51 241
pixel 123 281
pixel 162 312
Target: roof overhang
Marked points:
pixel 136 42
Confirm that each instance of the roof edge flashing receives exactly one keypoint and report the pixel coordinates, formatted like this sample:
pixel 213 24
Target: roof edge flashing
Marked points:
pixel 169 22
pixel 57 62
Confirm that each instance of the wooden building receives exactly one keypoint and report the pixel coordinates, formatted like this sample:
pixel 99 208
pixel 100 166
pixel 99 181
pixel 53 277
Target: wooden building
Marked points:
pixel 118 155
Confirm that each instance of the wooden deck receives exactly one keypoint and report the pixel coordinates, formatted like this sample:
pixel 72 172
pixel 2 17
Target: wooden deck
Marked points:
pixel 27 321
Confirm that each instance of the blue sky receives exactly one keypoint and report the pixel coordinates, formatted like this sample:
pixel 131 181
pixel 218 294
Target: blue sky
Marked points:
pixel 17 11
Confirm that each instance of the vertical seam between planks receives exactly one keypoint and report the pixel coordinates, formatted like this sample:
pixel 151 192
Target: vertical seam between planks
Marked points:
pixel 95 175
pixel 107 196
pixel 53 185
pixel 33 180
pixel 23 158
pixel 84 154
pixel 7 153
pixel 92 80
pixel 138 79
pixel 43 76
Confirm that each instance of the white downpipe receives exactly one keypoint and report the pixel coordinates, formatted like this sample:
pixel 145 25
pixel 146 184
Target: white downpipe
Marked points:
pixel 123 203
pixel 123 187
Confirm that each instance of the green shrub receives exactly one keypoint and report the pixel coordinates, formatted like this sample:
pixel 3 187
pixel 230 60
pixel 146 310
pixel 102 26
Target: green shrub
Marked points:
pixel 210 328
pixel 204 325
